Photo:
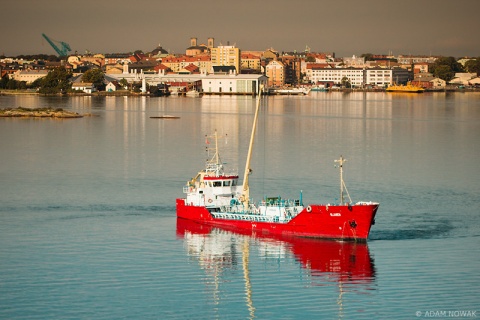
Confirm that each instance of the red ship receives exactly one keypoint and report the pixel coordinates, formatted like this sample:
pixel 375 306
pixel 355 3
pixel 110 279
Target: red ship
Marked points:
pixel 215 198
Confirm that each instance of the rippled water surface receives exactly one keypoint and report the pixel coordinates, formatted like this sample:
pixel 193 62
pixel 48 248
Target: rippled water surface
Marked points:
pixel 87 208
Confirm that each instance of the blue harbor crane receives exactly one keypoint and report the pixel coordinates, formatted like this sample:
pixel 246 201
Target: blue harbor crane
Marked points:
pixel 62 49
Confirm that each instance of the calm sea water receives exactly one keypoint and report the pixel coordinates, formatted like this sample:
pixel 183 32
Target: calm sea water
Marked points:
pixel 87 208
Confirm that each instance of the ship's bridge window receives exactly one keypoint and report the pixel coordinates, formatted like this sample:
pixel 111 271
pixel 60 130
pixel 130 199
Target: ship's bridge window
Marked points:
pixel 234 182
pixel 217 183
pixel 226 183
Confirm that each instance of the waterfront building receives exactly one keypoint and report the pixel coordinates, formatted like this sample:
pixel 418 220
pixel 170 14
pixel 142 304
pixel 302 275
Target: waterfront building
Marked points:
pixel 318 74
pixel 378 77
pixel 112 86
pixel 427 81
pixel 233 83
pixel 226 56
pixel 358 77
pixel 463 78
pixel 389 76
pixel 86 87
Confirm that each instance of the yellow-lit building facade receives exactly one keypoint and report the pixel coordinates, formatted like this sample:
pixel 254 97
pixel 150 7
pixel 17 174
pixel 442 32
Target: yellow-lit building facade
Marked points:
pixel 226 56
pixel 250 62
pixel 276 73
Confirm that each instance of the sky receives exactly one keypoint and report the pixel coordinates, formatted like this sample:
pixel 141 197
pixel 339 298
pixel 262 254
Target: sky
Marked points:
pixel 345 27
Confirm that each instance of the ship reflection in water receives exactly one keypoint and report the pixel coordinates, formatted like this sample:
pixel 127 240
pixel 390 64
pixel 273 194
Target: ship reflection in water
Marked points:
pixel 347 265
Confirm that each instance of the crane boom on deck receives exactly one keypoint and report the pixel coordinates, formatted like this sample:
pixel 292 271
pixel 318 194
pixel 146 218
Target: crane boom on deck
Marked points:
pixel 62 50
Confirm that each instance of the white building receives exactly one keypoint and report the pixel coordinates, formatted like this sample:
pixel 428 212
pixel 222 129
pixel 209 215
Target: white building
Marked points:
pixel 29 76
pixel 463 78
pixel 86 87
pixel 335 75
pixel 378 77
pixel 234 83
pixel 358 77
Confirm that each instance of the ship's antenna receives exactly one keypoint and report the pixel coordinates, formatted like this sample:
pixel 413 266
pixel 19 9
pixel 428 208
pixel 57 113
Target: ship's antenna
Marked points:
pixel 214 164
pixel 341 161
pixel 246 189
pixel 217 160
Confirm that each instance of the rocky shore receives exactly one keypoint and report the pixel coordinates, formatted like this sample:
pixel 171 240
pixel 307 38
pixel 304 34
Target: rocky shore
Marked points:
pixel 38 113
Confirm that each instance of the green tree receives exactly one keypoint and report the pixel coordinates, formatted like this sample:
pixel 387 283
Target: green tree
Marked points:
pixel 37 83
pixel 445 68
pixel 444 72
pixel 56 81
pixel 124 83
pixel 367 56
pixel 3 82
pixel 94 76
pixel 473 66
pixel 346 82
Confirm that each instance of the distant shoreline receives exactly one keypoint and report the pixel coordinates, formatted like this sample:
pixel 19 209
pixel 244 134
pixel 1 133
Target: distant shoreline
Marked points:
pixel 137 94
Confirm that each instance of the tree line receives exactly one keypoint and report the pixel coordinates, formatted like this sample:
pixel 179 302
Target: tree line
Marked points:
pixel 58 80
pixel 446 67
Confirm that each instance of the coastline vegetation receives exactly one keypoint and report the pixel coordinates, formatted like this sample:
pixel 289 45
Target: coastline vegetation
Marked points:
pixel 21 112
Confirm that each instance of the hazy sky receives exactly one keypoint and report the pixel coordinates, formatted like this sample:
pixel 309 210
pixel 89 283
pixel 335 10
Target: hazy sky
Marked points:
pixel 346 27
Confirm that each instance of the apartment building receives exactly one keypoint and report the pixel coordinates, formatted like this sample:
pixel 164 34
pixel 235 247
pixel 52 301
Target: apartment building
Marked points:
pixel 226 56
pixel 335 75
pixel 358 77
pixel 379 77
pixel 275 71
pixel 250 62
pixel 176 64
pixel 292 71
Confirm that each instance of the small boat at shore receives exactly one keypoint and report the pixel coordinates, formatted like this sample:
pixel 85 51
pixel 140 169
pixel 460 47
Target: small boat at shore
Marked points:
pixel 192 93
pixel 290 91
pixel 319 88
pixel 215 197
pixel 409 88
pixel 165 117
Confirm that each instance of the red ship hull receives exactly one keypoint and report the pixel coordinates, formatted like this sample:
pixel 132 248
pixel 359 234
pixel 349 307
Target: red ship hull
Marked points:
pixel 340 222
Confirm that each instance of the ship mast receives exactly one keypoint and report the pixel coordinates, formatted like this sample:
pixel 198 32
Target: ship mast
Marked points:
pixel 245 198
pixel 341 161
pixel 214 165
